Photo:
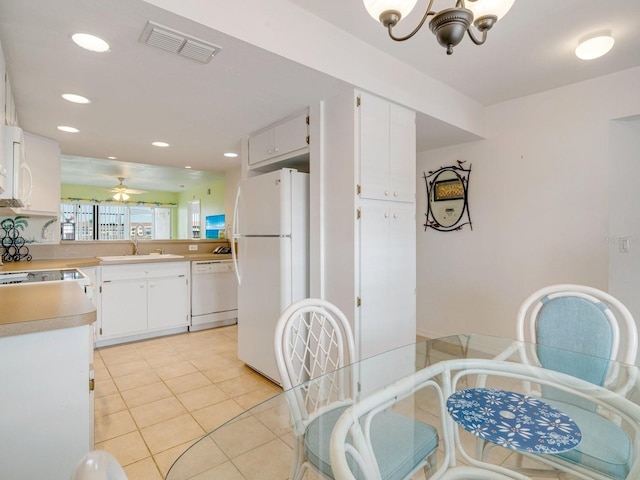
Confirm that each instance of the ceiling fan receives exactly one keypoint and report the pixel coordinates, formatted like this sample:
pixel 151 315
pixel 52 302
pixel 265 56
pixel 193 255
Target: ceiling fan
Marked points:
pixel 122 192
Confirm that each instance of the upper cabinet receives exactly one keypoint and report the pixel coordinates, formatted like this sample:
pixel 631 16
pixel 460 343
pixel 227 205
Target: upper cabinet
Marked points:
pixel 387 149
pixel 10 114
pixel 10 117
pixel 43 157
pixel 282 141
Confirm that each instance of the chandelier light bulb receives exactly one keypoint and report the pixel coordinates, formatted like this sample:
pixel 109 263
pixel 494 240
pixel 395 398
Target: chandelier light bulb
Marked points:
pixel 378 7
pixel 481 8
pixel 595 46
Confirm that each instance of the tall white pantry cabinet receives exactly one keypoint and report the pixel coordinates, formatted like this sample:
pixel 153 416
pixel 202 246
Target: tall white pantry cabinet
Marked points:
pixel 369 215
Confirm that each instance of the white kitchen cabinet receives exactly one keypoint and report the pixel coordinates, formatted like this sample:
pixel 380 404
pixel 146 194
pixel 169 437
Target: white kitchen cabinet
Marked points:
pixel 46 404
pixel 43 157
pixel 370 242
pixel 123 307
pixel 387 275
pixel 280 141
pixel 6 95
pixel 387 149
pixel 10 113
pixel 142 300
pixel 168 303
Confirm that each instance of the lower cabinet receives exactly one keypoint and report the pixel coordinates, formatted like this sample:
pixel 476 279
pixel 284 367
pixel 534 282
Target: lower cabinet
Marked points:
pixel 46 404
pixel 140 300
pixel 387 276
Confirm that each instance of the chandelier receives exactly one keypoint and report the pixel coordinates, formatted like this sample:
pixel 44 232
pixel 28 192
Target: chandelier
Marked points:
pixel 448 25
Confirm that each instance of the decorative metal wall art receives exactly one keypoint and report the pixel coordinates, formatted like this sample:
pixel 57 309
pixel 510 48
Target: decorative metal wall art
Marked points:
pixel 11 240
pixel 447 198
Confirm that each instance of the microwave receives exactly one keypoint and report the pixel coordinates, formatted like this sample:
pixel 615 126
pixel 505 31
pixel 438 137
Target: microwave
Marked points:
pixel 16 181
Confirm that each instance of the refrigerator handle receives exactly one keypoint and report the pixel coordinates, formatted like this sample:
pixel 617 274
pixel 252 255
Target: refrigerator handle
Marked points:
pixel 235 236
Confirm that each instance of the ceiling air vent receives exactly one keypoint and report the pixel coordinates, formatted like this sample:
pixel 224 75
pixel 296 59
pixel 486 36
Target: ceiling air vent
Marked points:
pixel 177 42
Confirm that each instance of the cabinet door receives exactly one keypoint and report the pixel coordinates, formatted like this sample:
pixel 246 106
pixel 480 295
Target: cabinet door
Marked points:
pixel 124 308
pixel 376 326
pixel 401 258
pixel 402 153
pixel 43 158
pixel 387 277
pixel 290 135
pixel 261 146
pixel 168 303
pixel 373 141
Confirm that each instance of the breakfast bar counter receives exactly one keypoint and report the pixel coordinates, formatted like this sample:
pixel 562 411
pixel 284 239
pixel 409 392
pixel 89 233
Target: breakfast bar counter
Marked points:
pixel 38 307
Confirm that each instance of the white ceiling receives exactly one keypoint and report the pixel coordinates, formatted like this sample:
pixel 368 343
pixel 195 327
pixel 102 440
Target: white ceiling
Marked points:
pixel 140 93
pixel 530 50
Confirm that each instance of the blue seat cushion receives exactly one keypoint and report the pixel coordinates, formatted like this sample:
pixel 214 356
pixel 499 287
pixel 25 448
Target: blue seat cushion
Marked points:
pixel 399 443
pixel 605 447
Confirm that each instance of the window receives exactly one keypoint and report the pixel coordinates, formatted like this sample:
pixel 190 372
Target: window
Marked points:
pixel 85 221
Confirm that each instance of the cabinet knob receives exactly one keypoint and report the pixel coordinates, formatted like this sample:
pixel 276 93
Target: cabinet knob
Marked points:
pixel 386 193
pixel 276 150
pixel 395 194
pixel 386 214
pixel 395 215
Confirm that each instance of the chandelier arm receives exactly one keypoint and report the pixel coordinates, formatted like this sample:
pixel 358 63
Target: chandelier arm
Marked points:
pixel 415 30
pixel 474 39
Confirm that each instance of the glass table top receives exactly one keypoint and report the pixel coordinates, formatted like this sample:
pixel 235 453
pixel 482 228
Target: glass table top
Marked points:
pixel 260 443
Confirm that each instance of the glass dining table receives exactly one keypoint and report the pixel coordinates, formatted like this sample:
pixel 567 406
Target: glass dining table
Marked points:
pixel 259 443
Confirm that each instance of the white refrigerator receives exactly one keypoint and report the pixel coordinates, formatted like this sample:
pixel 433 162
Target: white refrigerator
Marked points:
pixel 271 229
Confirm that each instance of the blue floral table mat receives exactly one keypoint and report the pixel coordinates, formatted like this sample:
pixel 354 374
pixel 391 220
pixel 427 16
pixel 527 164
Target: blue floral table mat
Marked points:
pixel 513 420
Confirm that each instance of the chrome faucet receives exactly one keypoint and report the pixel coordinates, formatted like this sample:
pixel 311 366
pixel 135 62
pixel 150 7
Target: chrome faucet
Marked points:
pixel 137 228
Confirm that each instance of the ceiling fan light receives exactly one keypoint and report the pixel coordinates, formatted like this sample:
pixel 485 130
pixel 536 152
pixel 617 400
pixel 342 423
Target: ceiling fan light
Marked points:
pixel 481 8
pixel 377 7
pixel 595 46
pixel 121 197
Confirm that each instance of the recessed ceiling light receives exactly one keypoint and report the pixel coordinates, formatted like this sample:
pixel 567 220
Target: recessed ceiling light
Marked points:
pixel 231 155
pixel 111 157
pixel 64 128
pixel 159 144
pixel 90 42
pixel 187 166
pixel 72 97
pixel 595 45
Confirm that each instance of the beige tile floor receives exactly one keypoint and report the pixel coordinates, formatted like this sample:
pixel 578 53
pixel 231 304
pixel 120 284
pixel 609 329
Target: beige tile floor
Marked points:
pixel 155 397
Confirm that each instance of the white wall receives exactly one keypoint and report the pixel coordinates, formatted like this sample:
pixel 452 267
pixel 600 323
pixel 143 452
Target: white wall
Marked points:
pixel 539 203
pixel 624 219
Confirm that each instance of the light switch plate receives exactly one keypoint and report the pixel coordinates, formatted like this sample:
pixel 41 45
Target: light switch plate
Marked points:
pixel 193 248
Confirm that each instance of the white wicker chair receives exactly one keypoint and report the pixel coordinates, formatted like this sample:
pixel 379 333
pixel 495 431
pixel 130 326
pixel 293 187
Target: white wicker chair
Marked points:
pixel 313 340
pixel 576 329
pixel 352 455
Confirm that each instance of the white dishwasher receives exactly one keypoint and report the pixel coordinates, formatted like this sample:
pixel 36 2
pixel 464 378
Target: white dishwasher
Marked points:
pixel 214 294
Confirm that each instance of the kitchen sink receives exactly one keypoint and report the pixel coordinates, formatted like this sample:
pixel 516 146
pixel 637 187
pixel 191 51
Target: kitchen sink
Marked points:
pixel 135 258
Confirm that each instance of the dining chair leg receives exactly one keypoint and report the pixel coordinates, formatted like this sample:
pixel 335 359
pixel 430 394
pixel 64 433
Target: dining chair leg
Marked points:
pixel 297 465
pixel 431 465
